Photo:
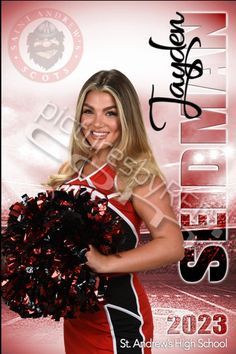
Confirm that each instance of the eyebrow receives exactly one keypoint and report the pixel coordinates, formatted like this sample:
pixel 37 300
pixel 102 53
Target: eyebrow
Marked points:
pixel 105 109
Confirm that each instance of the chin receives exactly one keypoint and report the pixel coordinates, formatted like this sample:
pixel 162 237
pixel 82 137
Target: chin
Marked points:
pixel 101 146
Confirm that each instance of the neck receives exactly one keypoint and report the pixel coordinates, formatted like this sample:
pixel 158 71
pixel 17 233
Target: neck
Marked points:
pixel 99 158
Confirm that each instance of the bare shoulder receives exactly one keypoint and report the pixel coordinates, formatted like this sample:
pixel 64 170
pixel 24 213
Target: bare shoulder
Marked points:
pixel 153 192
pixel 152 202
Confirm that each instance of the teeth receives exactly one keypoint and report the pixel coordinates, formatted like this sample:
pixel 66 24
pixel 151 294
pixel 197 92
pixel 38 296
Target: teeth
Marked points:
pixel 99 134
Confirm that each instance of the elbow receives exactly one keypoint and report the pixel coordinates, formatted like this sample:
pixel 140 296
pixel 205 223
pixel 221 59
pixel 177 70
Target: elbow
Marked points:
pixel 180 250
pixel 177 254
pixel 180 254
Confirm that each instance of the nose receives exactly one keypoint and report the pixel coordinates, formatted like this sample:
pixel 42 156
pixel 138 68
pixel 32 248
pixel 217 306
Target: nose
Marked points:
pixel 98 119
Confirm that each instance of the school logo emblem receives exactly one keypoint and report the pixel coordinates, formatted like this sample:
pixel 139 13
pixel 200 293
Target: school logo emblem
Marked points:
pixel 45 45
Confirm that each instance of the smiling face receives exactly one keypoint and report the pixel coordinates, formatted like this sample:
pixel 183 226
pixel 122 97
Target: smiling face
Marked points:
pixel 100 121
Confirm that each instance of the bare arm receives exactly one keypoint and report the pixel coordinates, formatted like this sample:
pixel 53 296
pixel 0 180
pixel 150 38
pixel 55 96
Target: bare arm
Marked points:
pixel 166 246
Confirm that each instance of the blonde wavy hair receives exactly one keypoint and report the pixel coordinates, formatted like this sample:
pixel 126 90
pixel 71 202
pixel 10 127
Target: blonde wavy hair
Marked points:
pixel 131 156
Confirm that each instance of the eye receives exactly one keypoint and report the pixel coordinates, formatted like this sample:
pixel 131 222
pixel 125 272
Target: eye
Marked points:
pixel 111 113
pixel 87 111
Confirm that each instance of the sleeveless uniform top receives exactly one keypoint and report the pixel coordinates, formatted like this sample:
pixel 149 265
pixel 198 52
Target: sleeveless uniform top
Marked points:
pixel 124 323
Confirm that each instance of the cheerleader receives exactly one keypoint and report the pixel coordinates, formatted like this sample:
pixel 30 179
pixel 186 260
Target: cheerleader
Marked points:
pixel 110 156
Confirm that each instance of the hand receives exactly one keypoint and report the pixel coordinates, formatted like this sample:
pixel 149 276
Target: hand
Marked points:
pixel 97 261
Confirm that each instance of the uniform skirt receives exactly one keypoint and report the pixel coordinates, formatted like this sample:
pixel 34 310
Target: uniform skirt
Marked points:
pixel 124 324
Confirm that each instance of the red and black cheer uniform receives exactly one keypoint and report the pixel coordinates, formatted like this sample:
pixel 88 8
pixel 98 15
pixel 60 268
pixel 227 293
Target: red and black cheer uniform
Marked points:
pixel 124 324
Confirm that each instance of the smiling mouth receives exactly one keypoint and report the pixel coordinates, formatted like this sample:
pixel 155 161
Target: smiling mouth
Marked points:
pixel 99 135
pixel 47 54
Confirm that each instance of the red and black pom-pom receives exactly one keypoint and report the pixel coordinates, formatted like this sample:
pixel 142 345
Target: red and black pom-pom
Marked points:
pixel 44 245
